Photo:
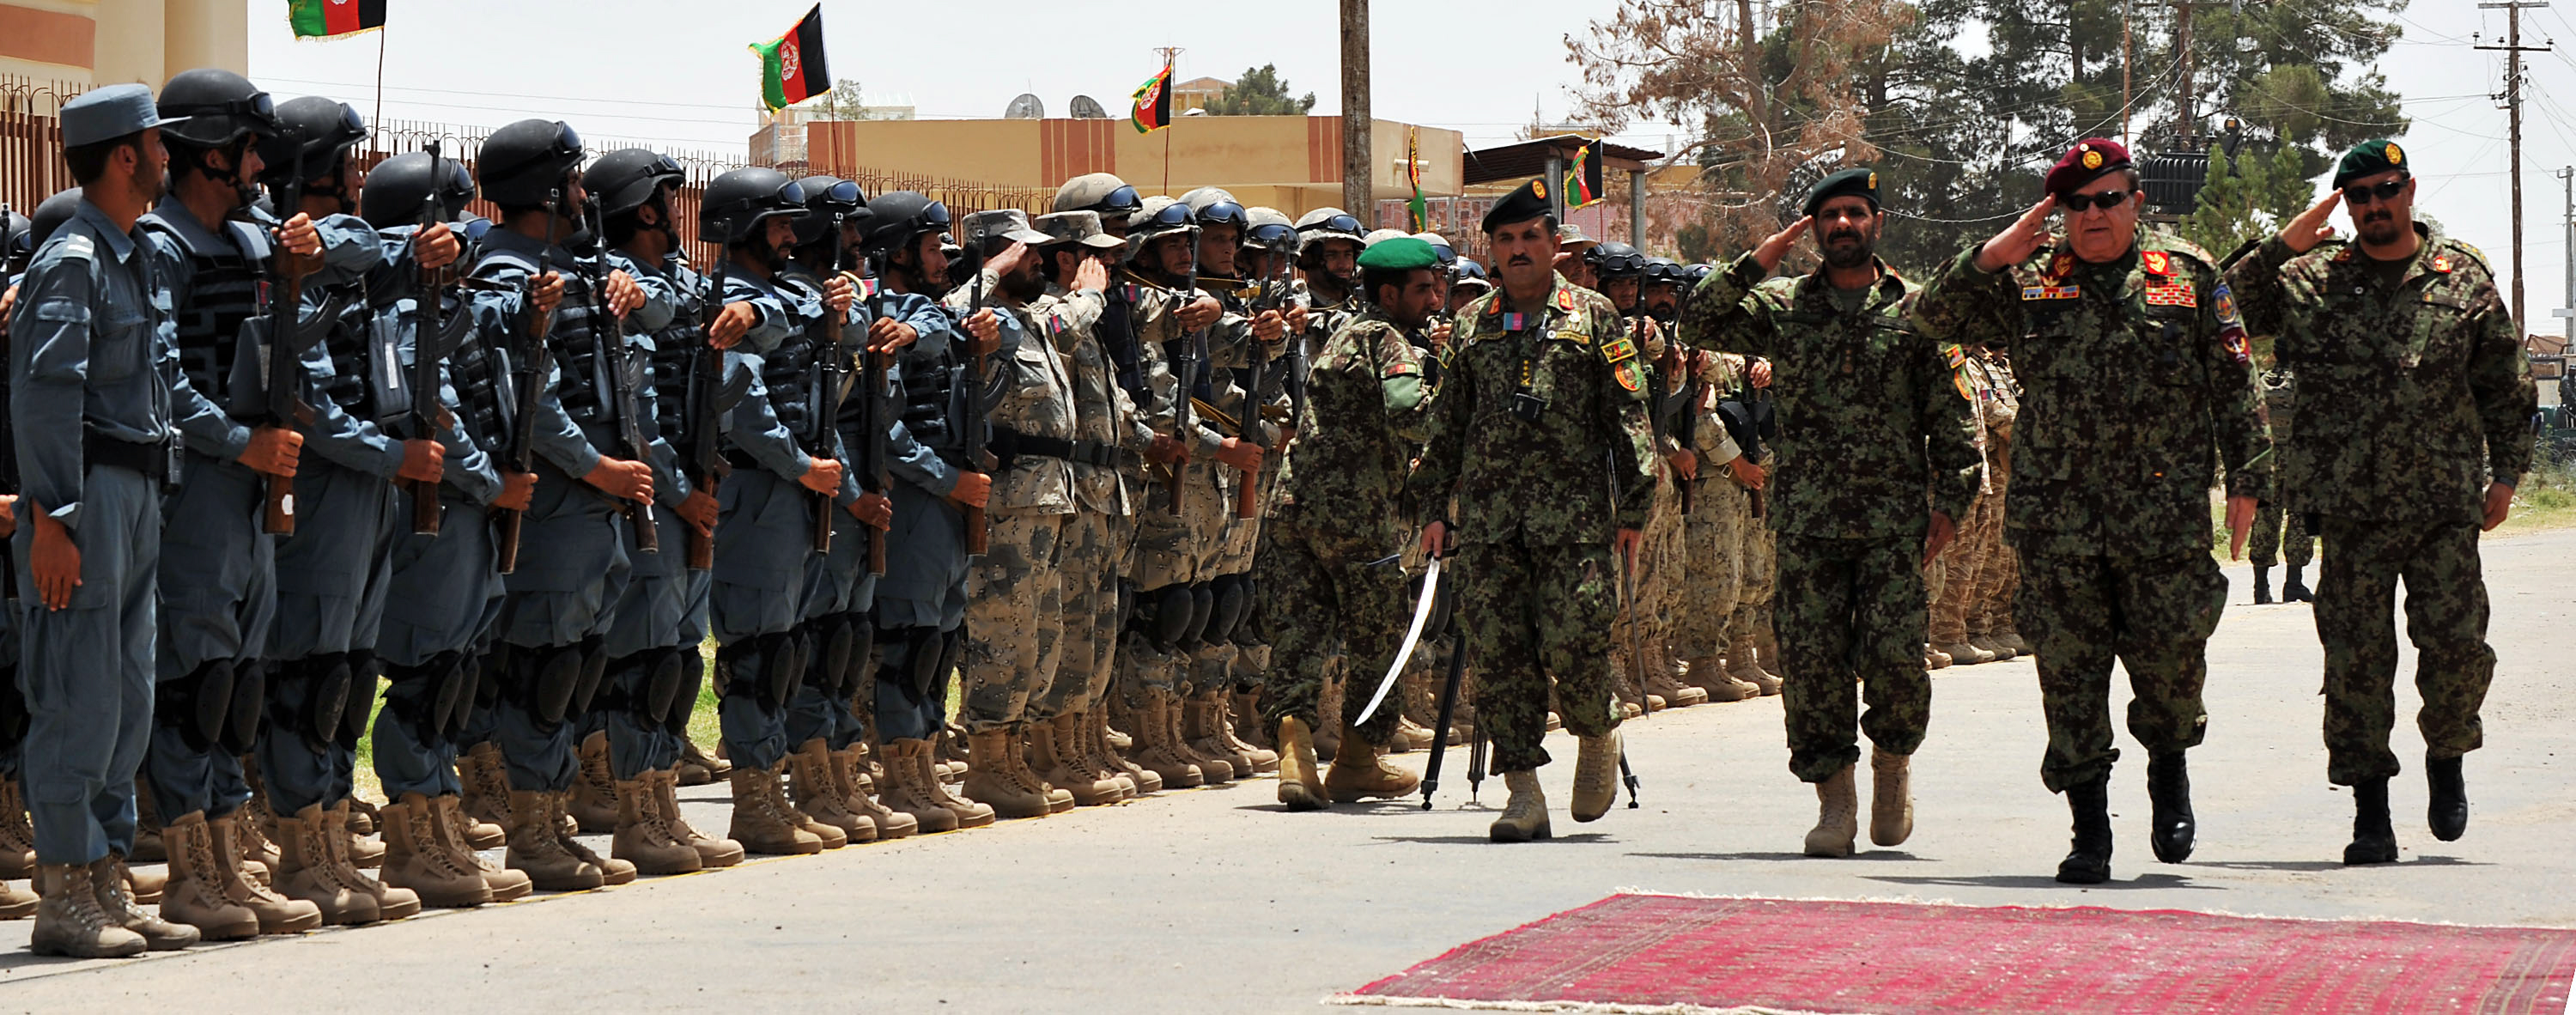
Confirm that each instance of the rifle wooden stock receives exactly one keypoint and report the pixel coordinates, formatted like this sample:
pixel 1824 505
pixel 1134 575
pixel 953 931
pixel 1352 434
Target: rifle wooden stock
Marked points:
pixel 978 535
pixel 823 502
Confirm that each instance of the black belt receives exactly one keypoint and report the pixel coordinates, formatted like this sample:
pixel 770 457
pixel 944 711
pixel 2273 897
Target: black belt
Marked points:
pixel 1008 444
pixel 156 461
pixel 741 459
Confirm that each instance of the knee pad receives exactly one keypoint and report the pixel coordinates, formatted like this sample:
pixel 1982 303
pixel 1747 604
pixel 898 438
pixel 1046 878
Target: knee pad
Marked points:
pixel 476 685
pixel 692 670
pixel 830 668
pixel 196 704
pixel 927 661
pixel 326 696
pixel 412 698
pixel 247 717
pixel 364 668
pixel 662 679
pixel 1202 610
pixel 14 717
pixel 1233 602
pixel 952 651
pixel 547 679
pixel 1173 606
pixel 863 641
pixel 786 665
pixel 594 667
pixel 455 673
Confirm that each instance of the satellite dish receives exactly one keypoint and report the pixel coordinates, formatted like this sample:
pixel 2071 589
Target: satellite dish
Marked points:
pixel 1085 107
pixel 1026 107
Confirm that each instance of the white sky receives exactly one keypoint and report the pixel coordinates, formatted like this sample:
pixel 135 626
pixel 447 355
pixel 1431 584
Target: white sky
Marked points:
pixel 677 74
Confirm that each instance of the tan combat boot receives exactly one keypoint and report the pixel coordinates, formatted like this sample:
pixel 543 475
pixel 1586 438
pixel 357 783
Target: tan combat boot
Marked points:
pixel 902 791
pixel 1743 664
pixel 146 886
pixel 712 851
pixel 1106 752
pixel 1524 817
pixel 536 847
pixel 1156 752
pixel 1053 759
pixel 416 860
pixel 148 847
pixel 815 795
pixel 16 904
pixel 1837 816
pixel 1301 788
pixel 487 785
pixel 1596 775
pixel 1360 771
pixel 969 813
pixel 391 903
pixel 1964 654
pixel 195 894
pixel 1708 674
pixel 17 835
pixel 507 885
pixel 306 870
pixel 640 838
pixel 277 914
pixel 1247 720
pixel 1203 728
pixel 1935 659
pixel 69 921
pixel 758 824
pixel 1230 726
pixel 849 778
pixel 1992 646
pixel 2012 639
pixel 1664 678
pixel 697 769
pixel 1891 798
pixel 1183 714
pixel 593 802
pixel 108 884
pixel 992 780
pixel 612 871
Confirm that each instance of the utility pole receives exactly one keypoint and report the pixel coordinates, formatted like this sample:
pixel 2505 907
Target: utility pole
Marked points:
pixel 2512 98
pixel 1358 197
pixel 2567 249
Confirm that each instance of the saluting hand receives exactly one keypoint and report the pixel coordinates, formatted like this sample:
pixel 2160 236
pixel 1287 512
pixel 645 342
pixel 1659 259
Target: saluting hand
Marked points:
pixel 1773 250
pixel 733 322
pixel 435 247
pixel 1092 276
pixel 2019 240
pixel 2311 227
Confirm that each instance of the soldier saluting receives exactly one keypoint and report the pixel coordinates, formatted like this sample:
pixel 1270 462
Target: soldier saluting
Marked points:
pixel 2137 381
pixel 1541 433
pixel 2404 335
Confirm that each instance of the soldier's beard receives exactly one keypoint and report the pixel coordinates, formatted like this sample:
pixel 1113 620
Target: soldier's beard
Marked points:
pixel 2379 228
pixel 1023 285
pixel 1848 250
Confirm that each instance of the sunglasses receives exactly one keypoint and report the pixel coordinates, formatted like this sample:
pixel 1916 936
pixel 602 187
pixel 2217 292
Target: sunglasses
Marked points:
pixel 2384 190
pixel 1120 201
pixel 1335 224
pixel 1174 214
pixel 2107 200
pixel 1263 236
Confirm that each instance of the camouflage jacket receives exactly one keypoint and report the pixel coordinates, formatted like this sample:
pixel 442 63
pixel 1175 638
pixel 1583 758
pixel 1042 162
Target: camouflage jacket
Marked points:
pixel 1102 411
pixel 2424 387
pixel 1367 408
pixel 2137 385
pixel 1870 412
pixel 1026 393
pixel 1541 425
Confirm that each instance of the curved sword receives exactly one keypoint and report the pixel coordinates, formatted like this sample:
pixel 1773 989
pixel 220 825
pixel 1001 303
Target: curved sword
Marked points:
pixel 1412 637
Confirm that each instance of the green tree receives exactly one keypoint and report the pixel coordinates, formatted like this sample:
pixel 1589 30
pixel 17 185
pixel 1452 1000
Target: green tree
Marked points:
pixel 1260 92
pixel 2247 198
pixel 843 102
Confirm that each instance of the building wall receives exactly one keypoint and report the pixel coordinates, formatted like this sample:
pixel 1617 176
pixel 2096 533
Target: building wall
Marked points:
pixel 92 42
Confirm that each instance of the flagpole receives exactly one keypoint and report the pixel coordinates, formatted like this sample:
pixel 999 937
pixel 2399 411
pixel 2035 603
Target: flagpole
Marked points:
pixel 378 120
pixel 1171 76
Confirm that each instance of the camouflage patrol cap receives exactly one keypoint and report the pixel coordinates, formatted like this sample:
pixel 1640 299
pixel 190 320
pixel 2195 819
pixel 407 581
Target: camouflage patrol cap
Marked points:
pixel 1081 227
pixel 1005 224
pixel 1570 239
pixel 1101 192
pixel 1378 236
pixel 2371 158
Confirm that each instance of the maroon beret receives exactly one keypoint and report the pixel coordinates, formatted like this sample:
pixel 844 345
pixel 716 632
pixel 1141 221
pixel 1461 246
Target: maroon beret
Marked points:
pixel 2088 161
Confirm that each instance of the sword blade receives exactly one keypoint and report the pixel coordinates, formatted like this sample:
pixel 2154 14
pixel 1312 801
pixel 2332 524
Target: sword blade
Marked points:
pixel 1412 637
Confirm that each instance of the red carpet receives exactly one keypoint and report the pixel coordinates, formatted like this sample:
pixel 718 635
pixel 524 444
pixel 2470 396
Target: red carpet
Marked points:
pixel 1898 958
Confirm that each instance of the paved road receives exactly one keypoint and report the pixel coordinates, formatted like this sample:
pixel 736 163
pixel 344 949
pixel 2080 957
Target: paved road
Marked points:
pixel 1212 900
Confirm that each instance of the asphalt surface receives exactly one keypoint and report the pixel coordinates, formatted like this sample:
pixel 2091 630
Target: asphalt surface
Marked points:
pixel 1214 900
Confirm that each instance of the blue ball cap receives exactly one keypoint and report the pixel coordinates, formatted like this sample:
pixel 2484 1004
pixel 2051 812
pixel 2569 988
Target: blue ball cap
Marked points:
pixel 103 114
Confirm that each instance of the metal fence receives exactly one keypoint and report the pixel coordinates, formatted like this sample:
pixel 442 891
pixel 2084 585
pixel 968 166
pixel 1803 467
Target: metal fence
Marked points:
pixel 31 140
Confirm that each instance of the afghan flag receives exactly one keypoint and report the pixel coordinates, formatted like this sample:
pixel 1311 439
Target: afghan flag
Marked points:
pixel 1583 180
pixel 791 66
pixel 1154 102
pixel 1419 209
pixel 331 19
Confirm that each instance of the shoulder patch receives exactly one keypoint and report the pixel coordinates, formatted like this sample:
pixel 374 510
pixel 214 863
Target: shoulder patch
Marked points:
pixel 2156 262
pixel 1564 299
pixel 2063 263
pixel 1631 374
pixel 78 246
pixel 2440 263
pixel 1618 349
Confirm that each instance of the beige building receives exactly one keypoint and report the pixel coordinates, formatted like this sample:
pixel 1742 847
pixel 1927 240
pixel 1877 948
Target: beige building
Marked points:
pixel 95 42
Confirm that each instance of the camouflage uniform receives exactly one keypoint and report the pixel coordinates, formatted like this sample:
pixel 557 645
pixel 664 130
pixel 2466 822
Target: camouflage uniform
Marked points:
pixel 1870 421
pixel 1340 513
pixel 1102 531
pixel 2281 536
pixel 2432 400
pixel 1654 594
pixel 1975 592
pixel 1165 556
pixel 2137 382
pixel 1542 435
pixel 1015 592
pixel 1714 532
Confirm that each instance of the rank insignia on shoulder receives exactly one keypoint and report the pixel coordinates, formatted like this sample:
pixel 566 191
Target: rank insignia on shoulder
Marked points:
pixel 2157 262
pixel 2179 294
pixel 2051 292
pixel 2442 263
pixel 1631 374
pixel 1565 299
pixel 1618 349
pixel 2064 263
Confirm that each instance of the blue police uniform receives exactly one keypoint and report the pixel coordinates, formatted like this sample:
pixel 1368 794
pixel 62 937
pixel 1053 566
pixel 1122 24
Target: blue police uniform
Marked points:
pixel 764 536
pixel 921 599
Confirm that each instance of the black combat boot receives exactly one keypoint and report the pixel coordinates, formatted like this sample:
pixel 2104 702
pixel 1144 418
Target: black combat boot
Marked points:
pixel 2169 793
pixel 2089 862
pixel 2450 810
pixel 2294 590
pixel 2263 585
pixel 2373 841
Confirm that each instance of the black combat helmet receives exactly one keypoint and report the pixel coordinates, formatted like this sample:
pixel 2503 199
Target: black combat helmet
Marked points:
pixel 217 107
pixel 1617 260
pixel 896 217
pixel 735 205
pixel 17 243
pixel 830 199
pixel 313 132
pixel 51 214
pixel 402 188
pixel 525 163
pixel 626 179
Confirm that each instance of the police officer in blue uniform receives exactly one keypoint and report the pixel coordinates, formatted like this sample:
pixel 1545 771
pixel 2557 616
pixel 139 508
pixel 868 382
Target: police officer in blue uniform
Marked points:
pixel 91 388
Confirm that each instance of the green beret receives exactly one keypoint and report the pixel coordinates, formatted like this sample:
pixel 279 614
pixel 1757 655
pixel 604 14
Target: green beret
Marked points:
pixel 2370 158
pixel 1860 180
pixel 1399 253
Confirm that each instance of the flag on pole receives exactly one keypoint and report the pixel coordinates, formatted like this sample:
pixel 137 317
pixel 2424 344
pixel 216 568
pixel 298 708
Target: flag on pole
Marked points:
pixel 1418 209
pixel 1153 110
pixel 792 68
pixel 1583 180
pixel 331 19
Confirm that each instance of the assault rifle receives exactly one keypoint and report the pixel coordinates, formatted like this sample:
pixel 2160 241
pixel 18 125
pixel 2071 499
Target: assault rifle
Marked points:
pixel 873 366
pixel 830 362
pixel 708 403
pixel 528 364
pixel 978 536
pixel 282 374
pixel 1185 368
pixel 433 341
pixel 624 371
